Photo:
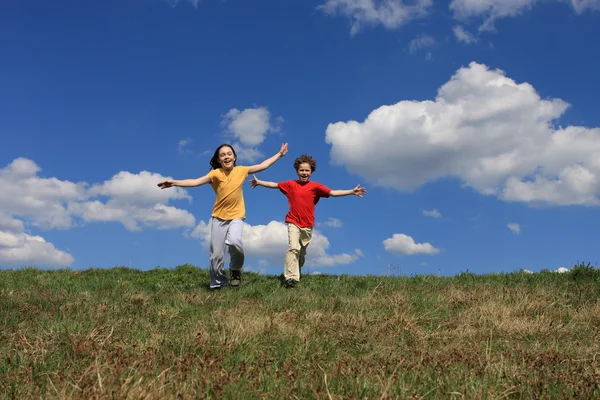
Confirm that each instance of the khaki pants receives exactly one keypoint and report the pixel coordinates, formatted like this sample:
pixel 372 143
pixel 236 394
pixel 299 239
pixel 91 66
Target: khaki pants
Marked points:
pixel 298 239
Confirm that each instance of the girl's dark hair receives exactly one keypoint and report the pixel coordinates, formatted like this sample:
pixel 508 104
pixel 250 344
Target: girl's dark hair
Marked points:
pixel 305 158
pixel 214 161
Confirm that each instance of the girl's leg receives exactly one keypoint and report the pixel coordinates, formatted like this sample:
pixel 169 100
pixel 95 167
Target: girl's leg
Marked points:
pixel 218 233
pixel 235 244
pixel 291 269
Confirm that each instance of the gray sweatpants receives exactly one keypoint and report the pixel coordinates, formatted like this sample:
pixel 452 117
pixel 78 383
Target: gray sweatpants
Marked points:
pixel 225 234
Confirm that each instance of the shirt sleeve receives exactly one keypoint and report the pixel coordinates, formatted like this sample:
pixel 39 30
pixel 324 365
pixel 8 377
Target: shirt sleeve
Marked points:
pixel 243 170
pixel 284 187
pixel 322 190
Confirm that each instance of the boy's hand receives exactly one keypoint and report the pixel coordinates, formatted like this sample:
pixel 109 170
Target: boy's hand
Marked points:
pixel 284 150
pixel 165 184
pixel 359 191
pixel 254 182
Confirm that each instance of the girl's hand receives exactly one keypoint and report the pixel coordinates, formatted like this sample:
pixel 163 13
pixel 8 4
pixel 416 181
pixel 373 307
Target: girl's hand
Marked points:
pixel 284 150
pixel 166 184
pixel 254 182
pixel 359 191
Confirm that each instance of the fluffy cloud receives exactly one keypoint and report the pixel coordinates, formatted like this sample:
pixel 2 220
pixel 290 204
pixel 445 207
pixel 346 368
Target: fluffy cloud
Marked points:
pixel 515 228
pixel 491 10
pixel 133 216
pixel 50 203
pixel 388 13
pixel 462 35
pixel 493 134
pixel 41 200
pixel 134 200
pixel 249 128
pixel 433 213
pixel 20 249
pixel 125 187
pixel 271 242
pixel 403 244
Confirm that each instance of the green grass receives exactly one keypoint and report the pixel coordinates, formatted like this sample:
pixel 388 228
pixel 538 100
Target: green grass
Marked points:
pixel 124 333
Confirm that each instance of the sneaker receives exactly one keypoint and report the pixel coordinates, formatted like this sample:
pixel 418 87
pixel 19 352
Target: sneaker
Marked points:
pixel 290 284
pixel 236 278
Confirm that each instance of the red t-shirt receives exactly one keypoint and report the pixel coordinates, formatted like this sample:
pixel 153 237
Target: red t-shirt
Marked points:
pixel 302 197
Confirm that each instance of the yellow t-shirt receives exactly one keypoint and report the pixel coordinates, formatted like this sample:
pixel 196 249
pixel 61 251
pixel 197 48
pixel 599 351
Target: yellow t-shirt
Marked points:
pixel 229 203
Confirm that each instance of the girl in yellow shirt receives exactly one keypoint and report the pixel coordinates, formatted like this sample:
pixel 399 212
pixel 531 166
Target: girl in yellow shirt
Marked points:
pixel 229 211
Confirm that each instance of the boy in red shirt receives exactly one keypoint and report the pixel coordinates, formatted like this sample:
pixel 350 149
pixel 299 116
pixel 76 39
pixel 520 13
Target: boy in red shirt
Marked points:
pixel 303 196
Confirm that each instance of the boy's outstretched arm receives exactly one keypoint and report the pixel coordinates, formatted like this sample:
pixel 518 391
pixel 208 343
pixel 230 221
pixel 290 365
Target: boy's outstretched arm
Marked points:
pixel 203 180
pixel 269 161
pixel 256 182
pixel 357 191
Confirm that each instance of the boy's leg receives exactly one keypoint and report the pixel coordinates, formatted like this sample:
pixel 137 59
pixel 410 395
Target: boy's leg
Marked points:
pixel 291 269
pixel 236 250
pixel 305 238
pixel 218 233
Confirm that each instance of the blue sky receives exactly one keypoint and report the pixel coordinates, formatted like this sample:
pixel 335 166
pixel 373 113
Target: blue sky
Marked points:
pixel 472 124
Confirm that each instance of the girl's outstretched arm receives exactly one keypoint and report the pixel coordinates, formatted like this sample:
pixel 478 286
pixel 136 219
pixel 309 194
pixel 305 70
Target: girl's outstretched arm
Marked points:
pixel 357 191
pixel 184 183
pixel 269 161
pixel 256 182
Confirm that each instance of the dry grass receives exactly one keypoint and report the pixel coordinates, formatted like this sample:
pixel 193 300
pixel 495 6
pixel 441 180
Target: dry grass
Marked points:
pixel 160 334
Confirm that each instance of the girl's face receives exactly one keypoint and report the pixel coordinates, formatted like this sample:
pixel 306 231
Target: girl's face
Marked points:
pixel 226 158
pixel 304 172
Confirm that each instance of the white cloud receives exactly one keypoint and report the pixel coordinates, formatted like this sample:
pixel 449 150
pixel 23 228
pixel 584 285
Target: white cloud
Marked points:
pixel 32 251
pixel 420 42
pixel 562 270
pixel 249 154
pixel 41 200
pixel 10 224
pixel 389 13
pixel 126 187
pixel 134 200
pixel 270 242
pixel 158 216
pixel 333 223
pixel 514 227
pixel 250 126
pixel 462 35
pixel 491 10
pixel 52 203
pixel 182 144
pixel 493 134
pixel 403 244
pixel 19 249
pixel 433 213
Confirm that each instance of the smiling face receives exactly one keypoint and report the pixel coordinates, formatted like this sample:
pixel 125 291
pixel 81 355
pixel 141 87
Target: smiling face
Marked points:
pixel 304 172
pixel 226 158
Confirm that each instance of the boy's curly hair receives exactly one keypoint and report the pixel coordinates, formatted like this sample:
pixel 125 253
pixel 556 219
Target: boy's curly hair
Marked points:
pixel 305 158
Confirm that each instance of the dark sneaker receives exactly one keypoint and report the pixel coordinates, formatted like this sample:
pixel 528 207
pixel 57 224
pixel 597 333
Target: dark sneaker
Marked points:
pixel 290 284
pixel 214 288
pixel 236 278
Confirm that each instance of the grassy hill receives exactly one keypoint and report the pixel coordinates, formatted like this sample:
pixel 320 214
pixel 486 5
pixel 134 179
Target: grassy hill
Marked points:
pixel 123 333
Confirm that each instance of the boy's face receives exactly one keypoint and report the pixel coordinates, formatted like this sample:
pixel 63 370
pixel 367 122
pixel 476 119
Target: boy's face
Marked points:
pixel 304 172
pixel 226 158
